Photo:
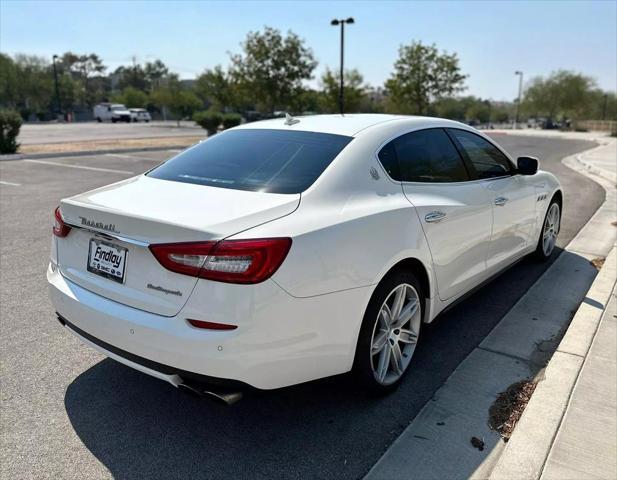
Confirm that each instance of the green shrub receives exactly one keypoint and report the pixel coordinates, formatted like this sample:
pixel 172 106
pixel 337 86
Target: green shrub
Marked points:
pixel 10 123
pixel 208 120
pixel 231 120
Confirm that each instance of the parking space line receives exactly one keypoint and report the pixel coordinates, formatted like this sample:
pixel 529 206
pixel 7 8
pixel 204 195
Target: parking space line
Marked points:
pixel 2 182
pixel 121 155
pixel 81 167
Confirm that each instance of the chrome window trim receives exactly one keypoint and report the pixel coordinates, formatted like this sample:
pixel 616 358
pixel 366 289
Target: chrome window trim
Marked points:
pixel 401 182
pixel 110 236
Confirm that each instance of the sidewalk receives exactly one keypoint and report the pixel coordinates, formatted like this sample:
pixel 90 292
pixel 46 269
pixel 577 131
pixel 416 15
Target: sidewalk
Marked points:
pixel 586 444
pixel 602 161
pixel 437 444
pixel 569 429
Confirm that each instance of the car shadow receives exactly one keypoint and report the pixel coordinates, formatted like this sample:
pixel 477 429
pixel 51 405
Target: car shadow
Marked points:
pixel 140 427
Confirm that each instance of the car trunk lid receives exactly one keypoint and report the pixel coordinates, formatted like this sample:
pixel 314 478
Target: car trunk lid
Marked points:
pixel 114 225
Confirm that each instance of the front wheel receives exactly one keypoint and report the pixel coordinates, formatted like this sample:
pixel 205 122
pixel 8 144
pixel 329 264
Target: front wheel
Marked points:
pixel 389 332
pixel 550 230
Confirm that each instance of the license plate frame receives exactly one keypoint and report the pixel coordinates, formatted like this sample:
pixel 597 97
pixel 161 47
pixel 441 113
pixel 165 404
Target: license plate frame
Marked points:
pixel 106 268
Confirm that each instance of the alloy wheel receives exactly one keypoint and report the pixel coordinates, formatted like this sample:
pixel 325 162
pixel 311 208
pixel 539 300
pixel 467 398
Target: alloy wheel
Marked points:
pixel 551 229
pixel 395 334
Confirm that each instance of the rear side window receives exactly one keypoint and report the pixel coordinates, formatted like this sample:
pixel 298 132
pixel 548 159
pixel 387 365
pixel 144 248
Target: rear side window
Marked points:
pixel 487 160
pixel 426 156
pixel 275 161
pixel 387 157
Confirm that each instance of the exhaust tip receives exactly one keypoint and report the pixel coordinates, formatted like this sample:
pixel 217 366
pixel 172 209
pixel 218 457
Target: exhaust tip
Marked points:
pixel 221 397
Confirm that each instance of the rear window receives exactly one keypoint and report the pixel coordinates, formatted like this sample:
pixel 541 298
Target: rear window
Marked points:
pixel 275 161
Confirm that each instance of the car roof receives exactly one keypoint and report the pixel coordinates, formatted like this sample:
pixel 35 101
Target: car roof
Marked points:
pixel 349 124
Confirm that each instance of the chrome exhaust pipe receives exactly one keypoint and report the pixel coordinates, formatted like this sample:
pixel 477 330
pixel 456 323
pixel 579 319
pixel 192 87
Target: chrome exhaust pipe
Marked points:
pixel 225 398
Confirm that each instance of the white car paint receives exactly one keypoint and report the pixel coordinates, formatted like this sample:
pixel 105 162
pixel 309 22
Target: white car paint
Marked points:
pixel 140 115
pixel 111 112
pixel 348 230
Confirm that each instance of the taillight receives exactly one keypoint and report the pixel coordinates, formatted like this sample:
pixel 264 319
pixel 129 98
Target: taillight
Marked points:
pixel 60 228
pixel 186 258
pixel 232 261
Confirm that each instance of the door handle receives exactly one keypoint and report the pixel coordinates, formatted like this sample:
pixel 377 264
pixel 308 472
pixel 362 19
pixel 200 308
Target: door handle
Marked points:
pixel 434 217
pixel 501 201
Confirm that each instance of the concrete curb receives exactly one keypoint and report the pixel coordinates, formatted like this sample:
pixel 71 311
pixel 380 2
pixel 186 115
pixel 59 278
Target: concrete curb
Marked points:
pixel 436 444
pixel 526 453
pixel 85 153
pixel 580 163
pixel 612 177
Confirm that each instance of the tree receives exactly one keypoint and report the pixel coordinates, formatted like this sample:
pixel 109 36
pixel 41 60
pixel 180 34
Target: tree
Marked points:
pixel 9 87
pixel 421 76
pixel 10 123
pixel 34 84
pixel 86 67
pixel 132 98
pixel 479 111
pixel 450 107
pixel 562 94
pixel 154 73
pixel 307 100
pixel 181 102
pixel 603 105
pixel 184 103
pixel 131 76
pixel 354 92
pixel 215 88
pixel 272 68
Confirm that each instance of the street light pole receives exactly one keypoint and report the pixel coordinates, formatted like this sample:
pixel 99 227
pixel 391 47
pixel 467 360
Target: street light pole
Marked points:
pixel 604 106
pixel 520 95
pixel 58 106
pixel 341 95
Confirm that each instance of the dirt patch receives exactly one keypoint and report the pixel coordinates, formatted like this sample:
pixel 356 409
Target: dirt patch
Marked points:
pixel 598 262
pixel 506 411
pixel 112 144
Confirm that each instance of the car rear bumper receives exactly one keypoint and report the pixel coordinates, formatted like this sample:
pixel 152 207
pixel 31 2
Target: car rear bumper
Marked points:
pixel 280 340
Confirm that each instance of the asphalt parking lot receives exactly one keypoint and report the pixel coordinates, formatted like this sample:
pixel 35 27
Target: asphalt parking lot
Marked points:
pixel 68 412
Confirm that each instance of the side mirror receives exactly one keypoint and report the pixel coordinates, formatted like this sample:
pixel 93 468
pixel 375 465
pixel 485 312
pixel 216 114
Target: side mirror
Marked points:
pixel 527 165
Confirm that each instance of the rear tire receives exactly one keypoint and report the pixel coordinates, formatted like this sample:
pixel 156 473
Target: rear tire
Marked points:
pixel 389 332
pixel 549 232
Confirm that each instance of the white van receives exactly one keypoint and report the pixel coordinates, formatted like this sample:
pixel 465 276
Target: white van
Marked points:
pixel 114 112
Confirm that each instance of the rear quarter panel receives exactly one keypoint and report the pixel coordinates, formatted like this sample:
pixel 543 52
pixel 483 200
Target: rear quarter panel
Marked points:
pixel 351 227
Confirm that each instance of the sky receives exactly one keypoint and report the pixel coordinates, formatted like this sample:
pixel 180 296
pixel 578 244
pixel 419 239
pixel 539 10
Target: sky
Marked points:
pixel 491 38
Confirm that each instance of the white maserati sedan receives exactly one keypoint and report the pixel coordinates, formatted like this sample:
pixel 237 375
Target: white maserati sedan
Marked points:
pixel 286 250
